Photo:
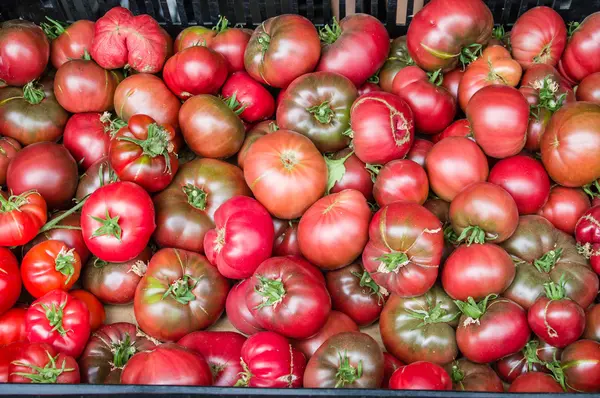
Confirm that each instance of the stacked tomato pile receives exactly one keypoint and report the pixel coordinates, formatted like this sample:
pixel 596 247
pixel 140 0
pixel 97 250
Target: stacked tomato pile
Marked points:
pixel 330 194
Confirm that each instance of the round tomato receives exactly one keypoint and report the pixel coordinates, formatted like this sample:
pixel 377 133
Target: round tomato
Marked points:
pixel 255 101
pixel 401 181
pixel 94 306
pixel 469 376
pixel 532 358
pixel 419 151
pixel 238 312
pixel 12 326
pixel 589 89
pixel 337 323
pixel 579 60
pixel 10 280
pixel 564 207
pixel 69 42
pixel 42 363
pixel 24 50
pixel 87 137
pixel 346 171
pixel 421 375
pixel 580 363
pixel 9 147
pixel 398 58
pixel 21 217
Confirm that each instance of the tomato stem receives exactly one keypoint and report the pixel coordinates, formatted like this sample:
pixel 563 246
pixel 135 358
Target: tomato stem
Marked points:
pixel 450 235
pixel 53 29
pixel 181 291
pixel 48 374
pixel 14 202
pixel 469 54
pixel 367 281
pixel 473 309
pixel 335 170
pixel 322 112
pixel 558 373
pixel 572 28
pixel 346 373
pixel 271 290
pixel 33 92
pixel 64 263
pixel 437 314
pixel 592 189
pixel 264 40
pixel 196 196
pixel 436 77
pixel 222 24
pixel 122 351
pixel 54 315
pixel 548 260
pixel 110 226
pixel 232 103
pixel 112 125
pixel 547 94
pixel 245 376
pixel 556 290
pixel 499 33
pixel 374 78
pixel 52 224
pixel 329 34
pixel 392 262
pixel 474 234
pixel 457 374
pixel 373 170
pixel 531 356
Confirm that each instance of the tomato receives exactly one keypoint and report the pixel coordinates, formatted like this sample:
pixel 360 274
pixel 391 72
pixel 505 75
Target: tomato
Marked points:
pixel 317 105
pixel 499 116
pixel 419 151
pixel 451 81
pixel 222 351
pixel 334 230
pixel 83 86
pixel 243 237
pixel 9 147
pixel 12 326
pixel 260 129
pixel 238 312
pixel 60 320
pixel 146 94
pixel 346 360
pixel 477 271
pixel 494 67
pixel 346 171
pixel 185 210
pixel 87 137
pixel 117 221
pixel 469 376
pixel 578 60
pixel 589 89
pixel 433 106
pixel 569 142
pixel 48 266
pixel 275 290
pixel 257 103
pixel 398 58
pixel 490 330
pixel 337 323
pixel 42 363
pixel 405 248
pixel 390 365
pixel 368 87
pixel 24 50
pixel 535 75
pixel 168 364
pixel 532 358
pixel 281 49
pixel 10 280
pixel 7 353
pixel 459 128
pixel 286 173
pixel 270 361
pixel 535 382
pixel 21 217
pixel 401 181
pixel 382 127
pixel 421 375
pixel 99 174
pixel 356 294
pixel 580 363
pixel 445 32
pixel 564 207
pixel 68 42
pixel 356 48
pixel 421 328
pixel 109 349
pixel 31 114
pixel 454 163
pixel 286 238
pixel 587 235
pixel 592 323
pixel 525 179
pixel 181 292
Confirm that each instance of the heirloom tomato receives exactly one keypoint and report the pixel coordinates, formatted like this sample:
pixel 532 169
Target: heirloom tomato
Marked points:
pixel 12 326
pixel 535 382
pixel 419 151
pixel 10 280
pixel 69 42
pixel 469 376
pixel 459 128
pixel 87 137
pixel 24 51
pixel 21 217
pixel 421 375
pixel 580 364
pixel 532 358
pixel 97 175
pixel 94 306
pixel 397 59
pixel 260 129
pixel 579 59
pixel 401 180
pixel 238 312
pixel 589 89
pixel 337 323
pixel 286 238
pixel 564 207
pixel 42 363
pixel 255 102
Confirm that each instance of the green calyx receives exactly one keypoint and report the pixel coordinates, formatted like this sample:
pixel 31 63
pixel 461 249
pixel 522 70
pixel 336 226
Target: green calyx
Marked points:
pixel 392 262
pixel 335 170
pixel 329 34
pixel 232 103
pixel 365 280
pixel 472 309
pixel 182 290
pixel 435 315
pixel 48 374
pixel 53 29
pixel 110 226
pixel 457 374
pixel 112 125
pixel 346 373
pixel 157 143
pixel 14 202
pixel 450 235
pixel 245 375
pixel 322 112
pixel 558 373
pixel 548 260
pixel 531 356
pixel 222 24
pixel 592 189
pixel 122 351
pixel 54 315
pixel 474 234
pixel 499 33
pixel 271 290
pixel 112 175
pixel 436 77
pixel 572 27
pixel 33 93
pixel 263 39
pixel 556 290
pixel 373 170
pixel 99 263
pixel 548 96
pixel 196 196
pixel 469 54
pixel 64 263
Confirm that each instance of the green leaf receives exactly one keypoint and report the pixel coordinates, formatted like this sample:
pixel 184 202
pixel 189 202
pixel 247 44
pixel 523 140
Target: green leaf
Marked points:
pixel 335 170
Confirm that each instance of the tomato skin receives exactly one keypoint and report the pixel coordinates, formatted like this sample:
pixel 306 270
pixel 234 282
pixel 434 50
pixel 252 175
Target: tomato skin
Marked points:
pixel 38 355
pixel 74 320
pixel 469 376
pixel 587 231
pixel 572 128
pixel 7 353
pixel 87 138
pixel 24 51
pixel 419 151
pixel 258 130
pixel 443 28
pixel 337 323
pixel 334 230
pixel 421 375
pixel 242 238
pixel 564 207
pixel 383 127
pixel 535 382
pixel 592 323
pixel 398 58
pixel 390 365
pixel 578 60
pixel 452 81
pixel 368 87
pixel 410 338
pixel 459 128
pixel 401 181
pixel 9 147
pixel 10 280
pixel 12 326
pixel 222 352
pixel 94 306
pixel 190 307
pixel 287 35
pixel 72 42
pixel 454 163
pixel 260 104
pixel 581 365
pixel 499 116
pixel 525 179
pixel 359 51
pixel 512 366
pixel 286 173
pixel 238 312
pixel 355 176
pixel 286 238
pixel 557 322
pixel 21 225
pixel 412 257
pixel 167 364
pixel 358 349
pixel 300 285
pixel 40 272
pixel 589 89
pixel 135 211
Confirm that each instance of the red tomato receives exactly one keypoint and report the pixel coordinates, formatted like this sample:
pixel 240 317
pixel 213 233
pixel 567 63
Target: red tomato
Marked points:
pixel 454 163
pixel 286 238
pixel 579 59
pixel 94 306
pixel 7 353
pixel 260 129
pixel 535 382
pixel 87 137
pixel 499 116
pixel 452 80
pixel 382 127
pixel 580 363
pixel 398 58
pixel 525 179
pixel 69 42
pixel 281 49
pixel 532 358
pixel 286 173
pixel 238 312
pixel 337 322
pixel 346 171
pixel 433 106
pixel 21 217
pixel 334 230
pixel 275 292
pixel 419 151
pixel 195 70
pixel 117 221
pixel 60 320
pixel 255 101
pixel 12 326
pixel 41 363
pixel 10 280
pixel 168 364
pixel 356 47
pixel 9 148
pixel 459 128
pixel 222 351
pixel 270 361
pixel 242 239
pixel 368 87
pixel 589 89
pixel 390 365
pixel 421 375
pixel 564 207
pixel 24 50
pixel 469 376
pixel 401 181
pixel 48 266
